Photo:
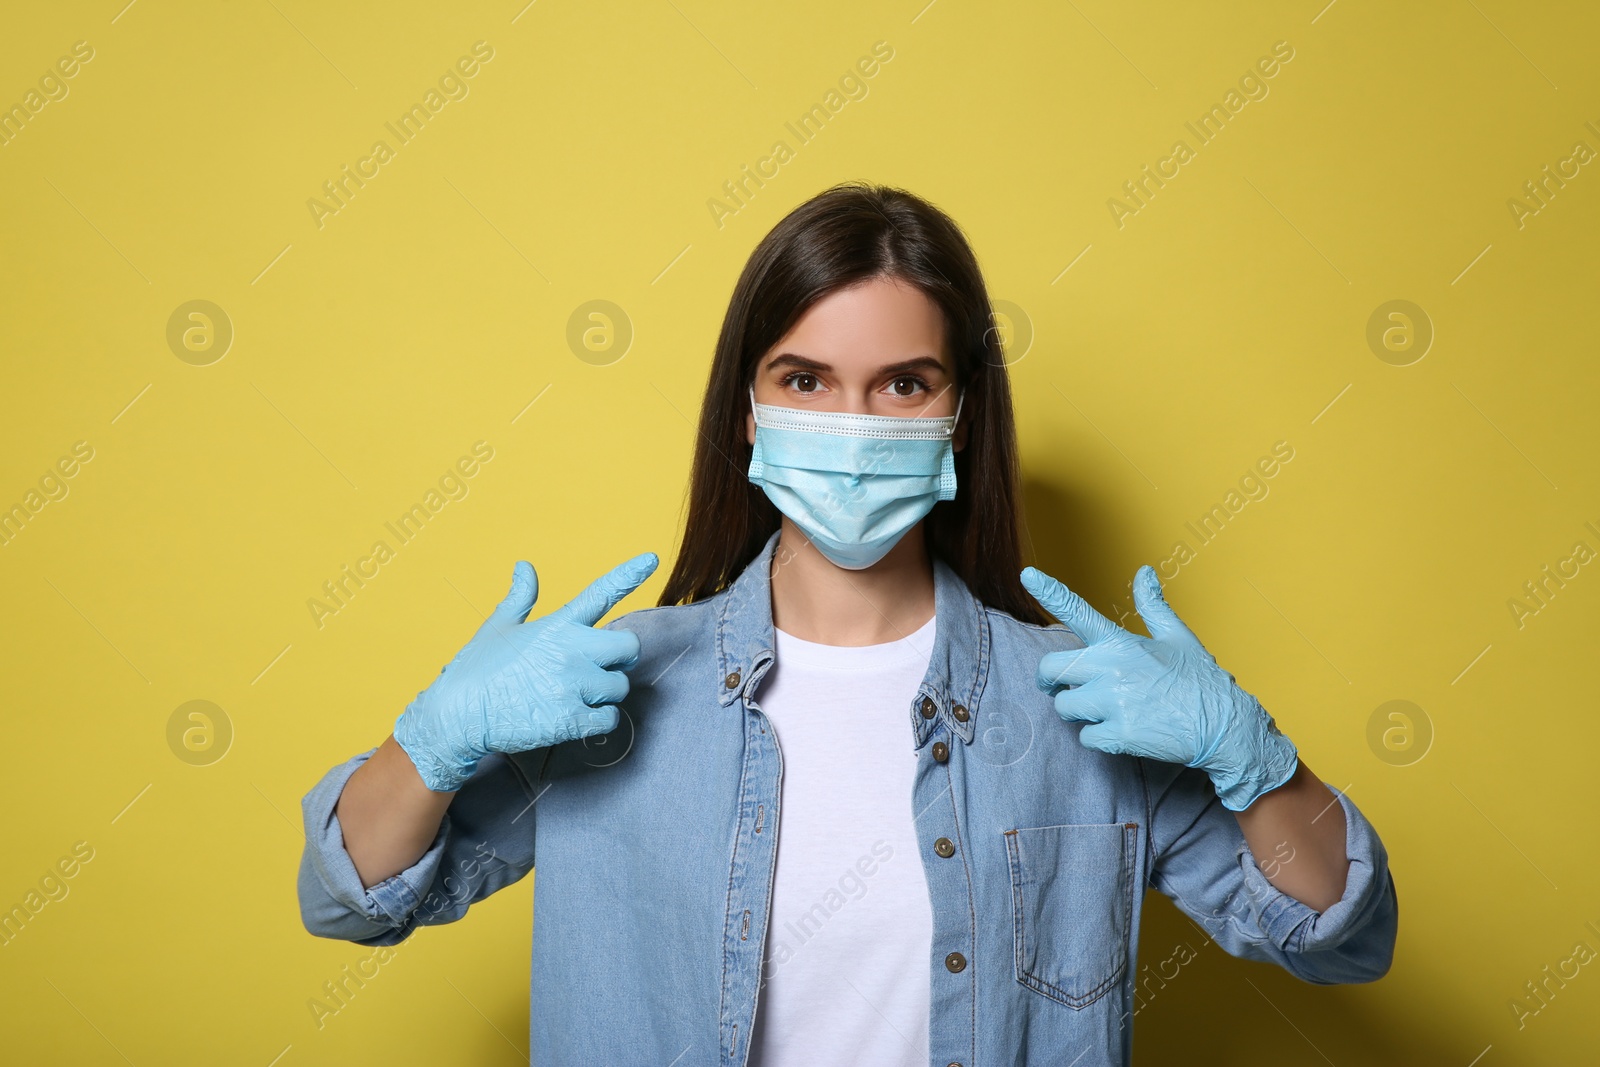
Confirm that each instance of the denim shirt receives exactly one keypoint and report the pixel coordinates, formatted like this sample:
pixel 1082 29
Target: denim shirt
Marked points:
pixel 655 847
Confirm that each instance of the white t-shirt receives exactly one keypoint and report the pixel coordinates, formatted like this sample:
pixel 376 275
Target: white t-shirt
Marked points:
pixel 845 976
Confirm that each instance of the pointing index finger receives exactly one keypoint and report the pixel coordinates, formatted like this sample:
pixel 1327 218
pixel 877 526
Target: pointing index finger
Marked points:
pixel 1068 606
pixel 608 590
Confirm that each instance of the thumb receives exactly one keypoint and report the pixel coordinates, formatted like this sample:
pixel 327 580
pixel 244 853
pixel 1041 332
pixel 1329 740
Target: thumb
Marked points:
pixel 607 591
pixel 519 601
pixel 1151 604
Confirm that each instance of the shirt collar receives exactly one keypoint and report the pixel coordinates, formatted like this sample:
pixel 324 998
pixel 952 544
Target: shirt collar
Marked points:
pixel 956 670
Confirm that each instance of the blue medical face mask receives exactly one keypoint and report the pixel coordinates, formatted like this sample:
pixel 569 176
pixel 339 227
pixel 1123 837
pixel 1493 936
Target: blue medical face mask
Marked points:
pixel 853 483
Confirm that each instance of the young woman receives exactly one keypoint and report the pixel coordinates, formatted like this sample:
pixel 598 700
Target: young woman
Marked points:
pixel 848 795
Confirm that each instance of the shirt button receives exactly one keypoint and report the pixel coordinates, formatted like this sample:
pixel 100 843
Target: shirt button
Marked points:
pixel 732 680
pixel 956 962
pixel 927 708
pixel 944 847
pixel 941 751
pixel 960 713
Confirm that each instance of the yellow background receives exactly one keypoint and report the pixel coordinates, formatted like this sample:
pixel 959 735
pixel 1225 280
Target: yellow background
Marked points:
pixel 1226 315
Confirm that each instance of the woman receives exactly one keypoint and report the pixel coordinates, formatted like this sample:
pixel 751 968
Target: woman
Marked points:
pixel 971 797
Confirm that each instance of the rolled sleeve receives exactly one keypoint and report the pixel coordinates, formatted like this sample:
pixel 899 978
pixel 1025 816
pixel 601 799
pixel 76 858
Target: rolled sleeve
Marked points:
pixel 1352 940
pixel 333 902
pixel 1204 864
pixel 484 843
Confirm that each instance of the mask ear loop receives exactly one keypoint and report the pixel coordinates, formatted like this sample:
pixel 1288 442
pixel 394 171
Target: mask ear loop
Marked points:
pixel 947 462
pixel 758 466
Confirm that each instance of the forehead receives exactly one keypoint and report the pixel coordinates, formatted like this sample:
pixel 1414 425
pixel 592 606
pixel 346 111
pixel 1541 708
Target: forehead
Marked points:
pixel 874 322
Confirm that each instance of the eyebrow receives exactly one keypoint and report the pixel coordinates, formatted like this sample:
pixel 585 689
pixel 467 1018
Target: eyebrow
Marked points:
pixel 791 359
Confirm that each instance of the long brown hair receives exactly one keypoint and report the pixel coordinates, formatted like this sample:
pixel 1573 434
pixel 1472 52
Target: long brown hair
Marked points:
pixel 845 235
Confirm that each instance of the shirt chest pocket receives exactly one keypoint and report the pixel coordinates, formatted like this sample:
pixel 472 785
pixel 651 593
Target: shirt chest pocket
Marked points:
pixel 1072 907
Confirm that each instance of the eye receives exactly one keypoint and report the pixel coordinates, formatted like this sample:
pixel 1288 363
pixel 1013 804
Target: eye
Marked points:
pixel 908 385
pixel 804 381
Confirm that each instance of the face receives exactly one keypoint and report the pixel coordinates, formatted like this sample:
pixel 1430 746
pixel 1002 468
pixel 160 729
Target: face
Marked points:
pixel 876 348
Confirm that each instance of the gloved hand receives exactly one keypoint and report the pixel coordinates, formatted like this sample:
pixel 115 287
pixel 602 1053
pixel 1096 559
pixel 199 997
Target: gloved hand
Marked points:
pixel 1161 696
pixel 522 685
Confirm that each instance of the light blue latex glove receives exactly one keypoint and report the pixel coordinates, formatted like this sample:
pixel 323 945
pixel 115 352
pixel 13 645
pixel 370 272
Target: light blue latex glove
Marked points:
pixel 1162 696
pixel 523 685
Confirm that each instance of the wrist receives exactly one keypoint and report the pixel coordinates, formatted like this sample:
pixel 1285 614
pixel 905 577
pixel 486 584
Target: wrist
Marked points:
pixel 1272 763
pixel 440 771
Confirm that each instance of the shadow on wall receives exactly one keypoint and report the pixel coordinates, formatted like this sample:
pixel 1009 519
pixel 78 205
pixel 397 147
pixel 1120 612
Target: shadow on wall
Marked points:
pixel 1212 1007
pixel 1074 540
pixel 1220 1009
